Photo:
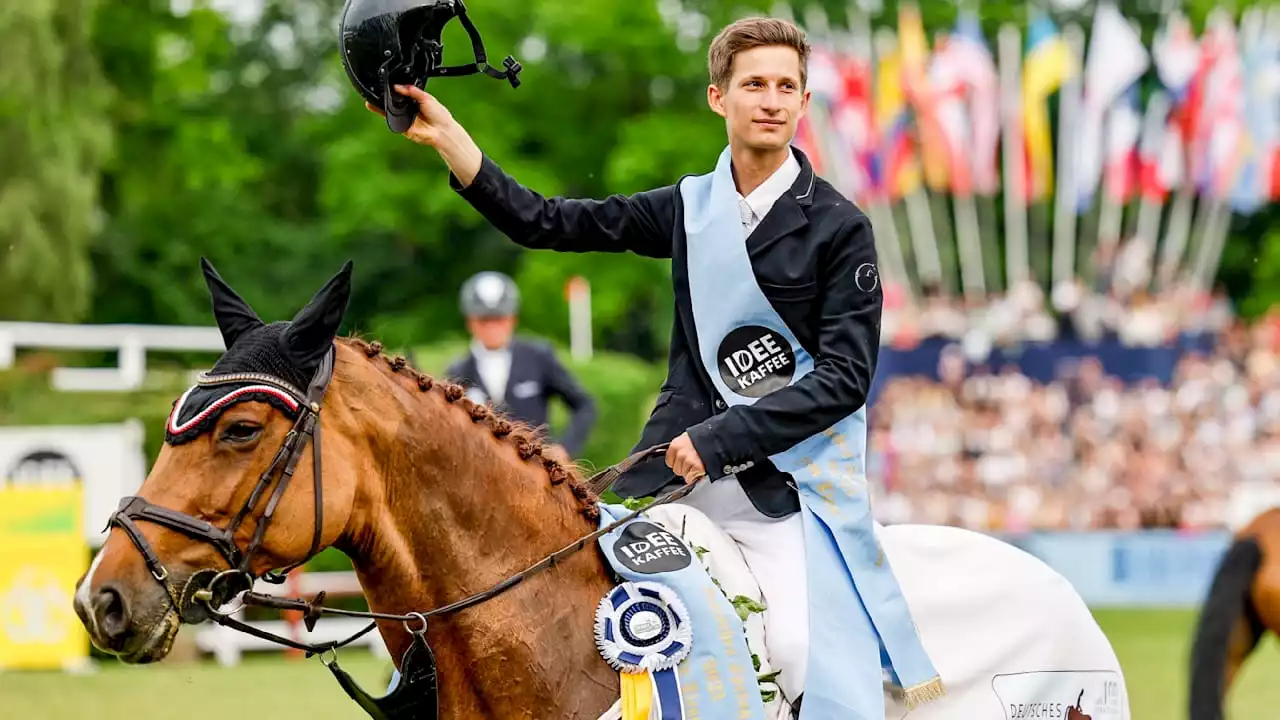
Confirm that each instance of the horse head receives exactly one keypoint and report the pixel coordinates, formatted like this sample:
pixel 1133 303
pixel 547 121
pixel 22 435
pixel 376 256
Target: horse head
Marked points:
pixel 297 440
pixel 210 498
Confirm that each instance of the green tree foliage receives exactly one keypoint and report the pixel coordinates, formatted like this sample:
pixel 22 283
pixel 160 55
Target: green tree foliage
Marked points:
pixel 52 145
pixel 236 135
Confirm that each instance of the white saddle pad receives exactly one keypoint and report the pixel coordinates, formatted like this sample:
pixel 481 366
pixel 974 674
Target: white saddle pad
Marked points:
pixel 1009 635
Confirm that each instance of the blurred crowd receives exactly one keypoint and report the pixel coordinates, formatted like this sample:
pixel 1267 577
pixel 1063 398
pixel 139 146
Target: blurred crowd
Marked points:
pixel 990 449
pixel 1120 300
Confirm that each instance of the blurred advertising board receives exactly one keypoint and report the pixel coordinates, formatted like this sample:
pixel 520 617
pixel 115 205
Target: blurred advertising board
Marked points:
pixel 42 555
pixel 1147 568
pixel 106 462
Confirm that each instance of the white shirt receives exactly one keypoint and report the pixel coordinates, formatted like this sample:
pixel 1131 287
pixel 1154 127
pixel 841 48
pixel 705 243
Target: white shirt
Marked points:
pixel 755 206
pixel 494 367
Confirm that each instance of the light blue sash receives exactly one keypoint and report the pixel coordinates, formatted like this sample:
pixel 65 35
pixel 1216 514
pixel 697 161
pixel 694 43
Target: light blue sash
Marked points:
pixel 856 609
pixel 717 680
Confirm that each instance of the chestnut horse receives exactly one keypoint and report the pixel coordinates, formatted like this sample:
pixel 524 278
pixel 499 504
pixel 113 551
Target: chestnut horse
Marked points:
pixel 435 498
pixel 1242 604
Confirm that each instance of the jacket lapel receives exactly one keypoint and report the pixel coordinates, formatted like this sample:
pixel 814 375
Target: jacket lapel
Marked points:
pixel 789 214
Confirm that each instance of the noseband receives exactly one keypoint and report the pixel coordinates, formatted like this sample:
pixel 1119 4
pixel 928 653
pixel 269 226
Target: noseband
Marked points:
pixel 222 586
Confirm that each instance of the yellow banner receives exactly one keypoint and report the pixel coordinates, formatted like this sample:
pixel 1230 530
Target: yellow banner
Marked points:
pixel 42 554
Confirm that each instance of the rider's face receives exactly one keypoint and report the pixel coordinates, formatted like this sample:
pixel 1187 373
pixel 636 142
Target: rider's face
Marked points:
pixel 764 99
pixel 492 332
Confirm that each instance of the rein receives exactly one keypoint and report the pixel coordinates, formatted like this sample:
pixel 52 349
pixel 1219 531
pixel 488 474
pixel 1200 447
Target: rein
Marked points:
pixel 207 591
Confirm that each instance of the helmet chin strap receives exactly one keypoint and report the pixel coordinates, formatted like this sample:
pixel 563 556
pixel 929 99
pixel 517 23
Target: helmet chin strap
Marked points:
pixel 401 110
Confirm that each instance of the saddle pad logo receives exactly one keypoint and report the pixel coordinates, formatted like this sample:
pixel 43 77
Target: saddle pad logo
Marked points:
pixel 646 548
pixel 755 361
pixel 1061 695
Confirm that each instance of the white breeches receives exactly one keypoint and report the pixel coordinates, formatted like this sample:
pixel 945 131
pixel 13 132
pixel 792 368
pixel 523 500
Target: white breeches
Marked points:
pixel 774 551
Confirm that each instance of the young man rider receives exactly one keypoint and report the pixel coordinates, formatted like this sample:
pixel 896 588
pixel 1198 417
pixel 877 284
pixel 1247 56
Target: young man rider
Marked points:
pixel 812 255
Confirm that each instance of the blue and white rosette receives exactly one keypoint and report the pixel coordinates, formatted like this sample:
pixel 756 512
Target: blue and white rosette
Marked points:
pixel 642 628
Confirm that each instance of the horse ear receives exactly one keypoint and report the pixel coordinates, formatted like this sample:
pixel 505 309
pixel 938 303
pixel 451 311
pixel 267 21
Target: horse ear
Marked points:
pixel 232 313
pixel 312 331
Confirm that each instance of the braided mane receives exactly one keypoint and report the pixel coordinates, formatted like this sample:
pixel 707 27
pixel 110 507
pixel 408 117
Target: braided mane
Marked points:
pixel 526 440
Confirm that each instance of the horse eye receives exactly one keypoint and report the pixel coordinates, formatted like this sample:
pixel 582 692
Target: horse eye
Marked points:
pixel 241 432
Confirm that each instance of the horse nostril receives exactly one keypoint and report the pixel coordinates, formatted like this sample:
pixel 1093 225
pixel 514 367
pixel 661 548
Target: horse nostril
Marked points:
pixel 112 612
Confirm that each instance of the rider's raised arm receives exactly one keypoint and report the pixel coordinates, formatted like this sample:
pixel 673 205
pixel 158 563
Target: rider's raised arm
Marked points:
pixel 844 364
pixel 640 223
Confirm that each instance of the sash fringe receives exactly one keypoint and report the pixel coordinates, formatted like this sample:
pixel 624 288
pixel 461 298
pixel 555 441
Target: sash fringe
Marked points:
pixel 924 692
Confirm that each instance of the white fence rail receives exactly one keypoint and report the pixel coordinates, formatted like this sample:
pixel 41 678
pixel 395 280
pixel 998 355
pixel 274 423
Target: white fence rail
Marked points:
pixel 131 342
pixel 227 645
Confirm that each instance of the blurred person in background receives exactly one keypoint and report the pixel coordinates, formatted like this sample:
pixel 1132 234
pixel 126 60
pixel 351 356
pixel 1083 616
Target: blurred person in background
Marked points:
pixel 516 376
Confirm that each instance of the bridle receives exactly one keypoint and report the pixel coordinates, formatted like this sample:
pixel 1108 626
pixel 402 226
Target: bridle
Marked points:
pixel 224 585
pixel 200 600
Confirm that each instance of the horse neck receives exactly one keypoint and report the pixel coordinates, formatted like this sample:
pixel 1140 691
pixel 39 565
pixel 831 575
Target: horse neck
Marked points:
pixel 455 511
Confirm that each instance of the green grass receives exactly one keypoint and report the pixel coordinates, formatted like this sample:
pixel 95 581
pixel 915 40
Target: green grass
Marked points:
pixel 1152 646
pixel 262 686
pixel 1154 649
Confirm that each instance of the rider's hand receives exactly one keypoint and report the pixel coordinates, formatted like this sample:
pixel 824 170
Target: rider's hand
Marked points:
pixel 433 117
pixel 435 127
pixel 683 459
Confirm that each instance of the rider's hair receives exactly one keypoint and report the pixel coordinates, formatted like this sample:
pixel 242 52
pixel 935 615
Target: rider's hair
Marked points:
pixel 754 32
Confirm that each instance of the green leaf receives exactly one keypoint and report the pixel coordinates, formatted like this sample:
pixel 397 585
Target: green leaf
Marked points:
pixel 768 677
pixel 634 504
pixel 768 695
pixel 745 606
pixel 700 551
pixel 755 662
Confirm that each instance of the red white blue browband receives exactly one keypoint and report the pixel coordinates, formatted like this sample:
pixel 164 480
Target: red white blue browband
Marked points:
pixel 195 410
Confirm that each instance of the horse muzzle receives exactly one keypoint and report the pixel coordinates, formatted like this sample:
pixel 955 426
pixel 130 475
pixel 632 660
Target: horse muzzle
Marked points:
pixel 137 628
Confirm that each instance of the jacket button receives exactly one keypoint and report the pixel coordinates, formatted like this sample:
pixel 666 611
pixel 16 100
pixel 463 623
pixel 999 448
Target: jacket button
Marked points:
pixel 750 464
pixel 719 404
pixel 728 470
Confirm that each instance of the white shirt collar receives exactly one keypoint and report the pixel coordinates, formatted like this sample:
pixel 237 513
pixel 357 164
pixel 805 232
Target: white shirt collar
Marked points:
pixel 494 367
pixel 767 193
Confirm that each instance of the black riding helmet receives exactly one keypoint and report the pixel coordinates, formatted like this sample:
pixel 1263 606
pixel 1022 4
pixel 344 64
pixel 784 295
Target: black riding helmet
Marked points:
pixel 397 42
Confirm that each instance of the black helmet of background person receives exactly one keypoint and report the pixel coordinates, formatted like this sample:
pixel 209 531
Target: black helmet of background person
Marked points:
pixel 490 294
pixel 397 42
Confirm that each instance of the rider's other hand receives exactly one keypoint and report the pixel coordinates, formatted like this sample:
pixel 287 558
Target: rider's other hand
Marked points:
pixel 433 118
pixel 683 459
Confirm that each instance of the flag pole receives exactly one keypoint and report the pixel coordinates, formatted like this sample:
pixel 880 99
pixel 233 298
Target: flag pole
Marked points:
pixel 1064 216
pixel 1015 191
pixel 1150 153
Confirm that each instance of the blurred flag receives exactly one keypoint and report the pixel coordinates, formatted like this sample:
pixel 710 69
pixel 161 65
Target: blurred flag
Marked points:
pixel 901 172
pixel 966 86
pixel 1252 187
pixel 854 123
pixel 1124 125
pixel 1160 159
pixel 968 49
pixel 914 52
pixel 1177 56
pixel 1217 144
pixel 1116 61
pixel 952 112
pixel 1047 64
